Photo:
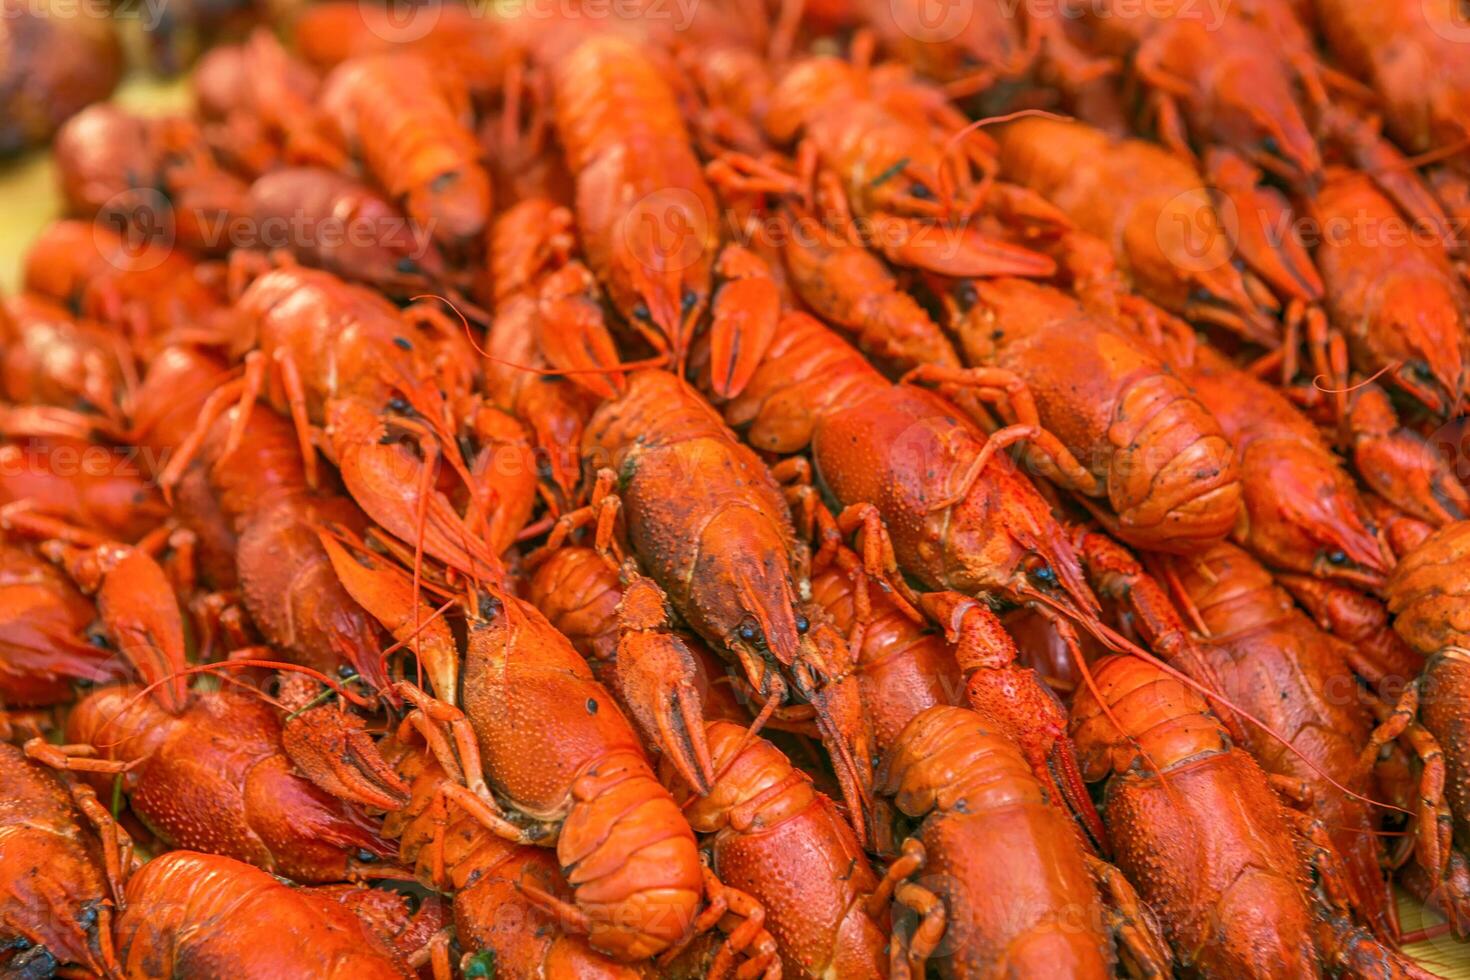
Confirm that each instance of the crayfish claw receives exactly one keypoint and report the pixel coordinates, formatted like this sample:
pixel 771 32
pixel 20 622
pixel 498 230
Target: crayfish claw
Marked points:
pixel 573 334
pixel 658 688
pixel 332 748
pixel 139 609
pixel 744 316
pixel 1280 260
pixel 654 677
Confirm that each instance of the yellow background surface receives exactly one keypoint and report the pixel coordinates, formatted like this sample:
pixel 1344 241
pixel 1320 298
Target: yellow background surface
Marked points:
pixel 28 195
pixel 28 200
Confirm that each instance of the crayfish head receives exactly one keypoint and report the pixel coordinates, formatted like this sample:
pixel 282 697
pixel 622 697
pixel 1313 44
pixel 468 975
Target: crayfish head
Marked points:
pixel 1419 327
pixel 1003 542
pixel 662 254
pixel 660 305
pixel 1310 519
pixel 761 603
pixel 1050 572
pixel 454 205
pixel 1252 98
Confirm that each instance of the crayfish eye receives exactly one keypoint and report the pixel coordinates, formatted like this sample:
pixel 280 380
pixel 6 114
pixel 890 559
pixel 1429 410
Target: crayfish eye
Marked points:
pixel 1043 575
pixel 640 311
pixel 966 294
pixel 1337 558
pixel 802 624
pixel 749 631
pixel 921 192
pixel 407 266
pixel 366 857
pixel 346 672
pixel 688 300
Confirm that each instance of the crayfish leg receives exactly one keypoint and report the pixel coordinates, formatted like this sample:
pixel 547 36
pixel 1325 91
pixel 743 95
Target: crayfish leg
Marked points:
pixel 1140 941
pixel 748 937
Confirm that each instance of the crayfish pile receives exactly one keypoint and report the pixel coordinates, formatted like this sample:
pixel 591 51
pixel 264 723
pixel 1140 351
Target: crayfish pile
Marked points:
pixel 759 492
